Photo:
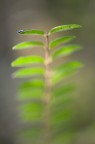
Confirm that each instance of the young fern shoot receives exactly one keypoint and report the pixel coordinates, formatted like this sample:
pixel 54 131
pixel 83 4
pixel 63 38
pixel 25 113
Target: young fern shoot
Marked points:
pixel 44 87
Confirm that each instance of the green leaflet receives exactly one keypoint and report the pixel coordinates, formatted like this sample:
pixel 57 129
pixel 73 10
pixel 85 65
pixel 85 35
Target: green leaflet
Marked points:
pixel 27 60
pixel 28 44
pixel 26 72
pixel 61 111
pixel 61 137
pixel 65 51
pixel 31 111
pixel 60 116
pixel 65 70
pixel 61 40
pixel 32 83
pixel 62 94
pixel 34 133
pixel 64 89
pixel 31 89
pixel 32 93
pixel 32 32
pixel 64 28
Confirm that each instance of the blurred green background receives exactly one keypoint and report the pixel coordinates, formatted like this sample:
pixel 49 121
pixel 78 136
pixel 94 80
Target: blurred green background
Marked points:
pixel 45 14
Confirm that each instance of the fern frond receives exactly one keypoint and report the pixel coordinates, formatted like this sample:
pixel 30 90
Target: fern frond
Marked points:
pixel 46 103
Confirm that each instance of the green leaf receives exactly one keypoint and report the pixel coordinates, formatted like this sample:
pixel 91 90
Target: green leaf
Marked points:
pixel 60 116
pixel 65 70
pixel 34 134
pixel 61 40
pixel 33 93
pixel 32 83
pixel 63 90
pixel 31 89
pixel 31 111
pixel 62 96
pixel 65 137
pixel 32 32
pixel 66 50
pixel 64 28
pixel 28 44
pixel 26 72
pixel 27 60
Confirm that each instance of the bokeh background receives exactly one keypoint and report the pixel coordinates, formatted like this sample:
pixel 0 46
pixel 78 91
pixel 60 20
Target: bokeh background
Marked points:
pixel 45 14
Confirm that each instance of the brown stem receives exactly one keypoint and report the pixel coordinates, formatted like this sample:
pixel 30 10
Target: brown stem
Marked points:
pixel 48 82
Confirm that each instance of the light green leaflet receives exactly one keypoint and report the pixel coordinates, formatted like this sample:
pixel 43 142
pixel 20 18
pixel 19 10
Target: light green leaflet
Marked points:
pixel 61 40
pixel 64 89
pixel 33 134
pixel 62 95
pixel 33 93
pixel 32 32
pixel 65 70
pixel 60 115
pixel 64 28
pixel 31 89
pixel 31 111
pixel 66 137
pixel 28 44
pixel 32 83
pixel 27 60
pixel 65 50
pixel 26 72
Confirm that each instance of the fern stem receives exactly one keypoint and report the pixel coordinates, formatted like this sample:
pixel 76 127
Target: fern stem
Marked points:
pixel 48 82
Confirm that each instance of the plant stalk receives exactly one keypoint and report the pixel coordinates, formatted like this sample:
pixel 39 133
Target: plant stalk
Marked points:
pixel 48 82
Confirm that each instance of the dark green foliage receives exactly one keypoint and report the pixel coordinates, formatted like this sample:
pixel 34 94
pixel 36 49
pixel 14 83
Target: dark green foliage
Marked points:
pixel 45 101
